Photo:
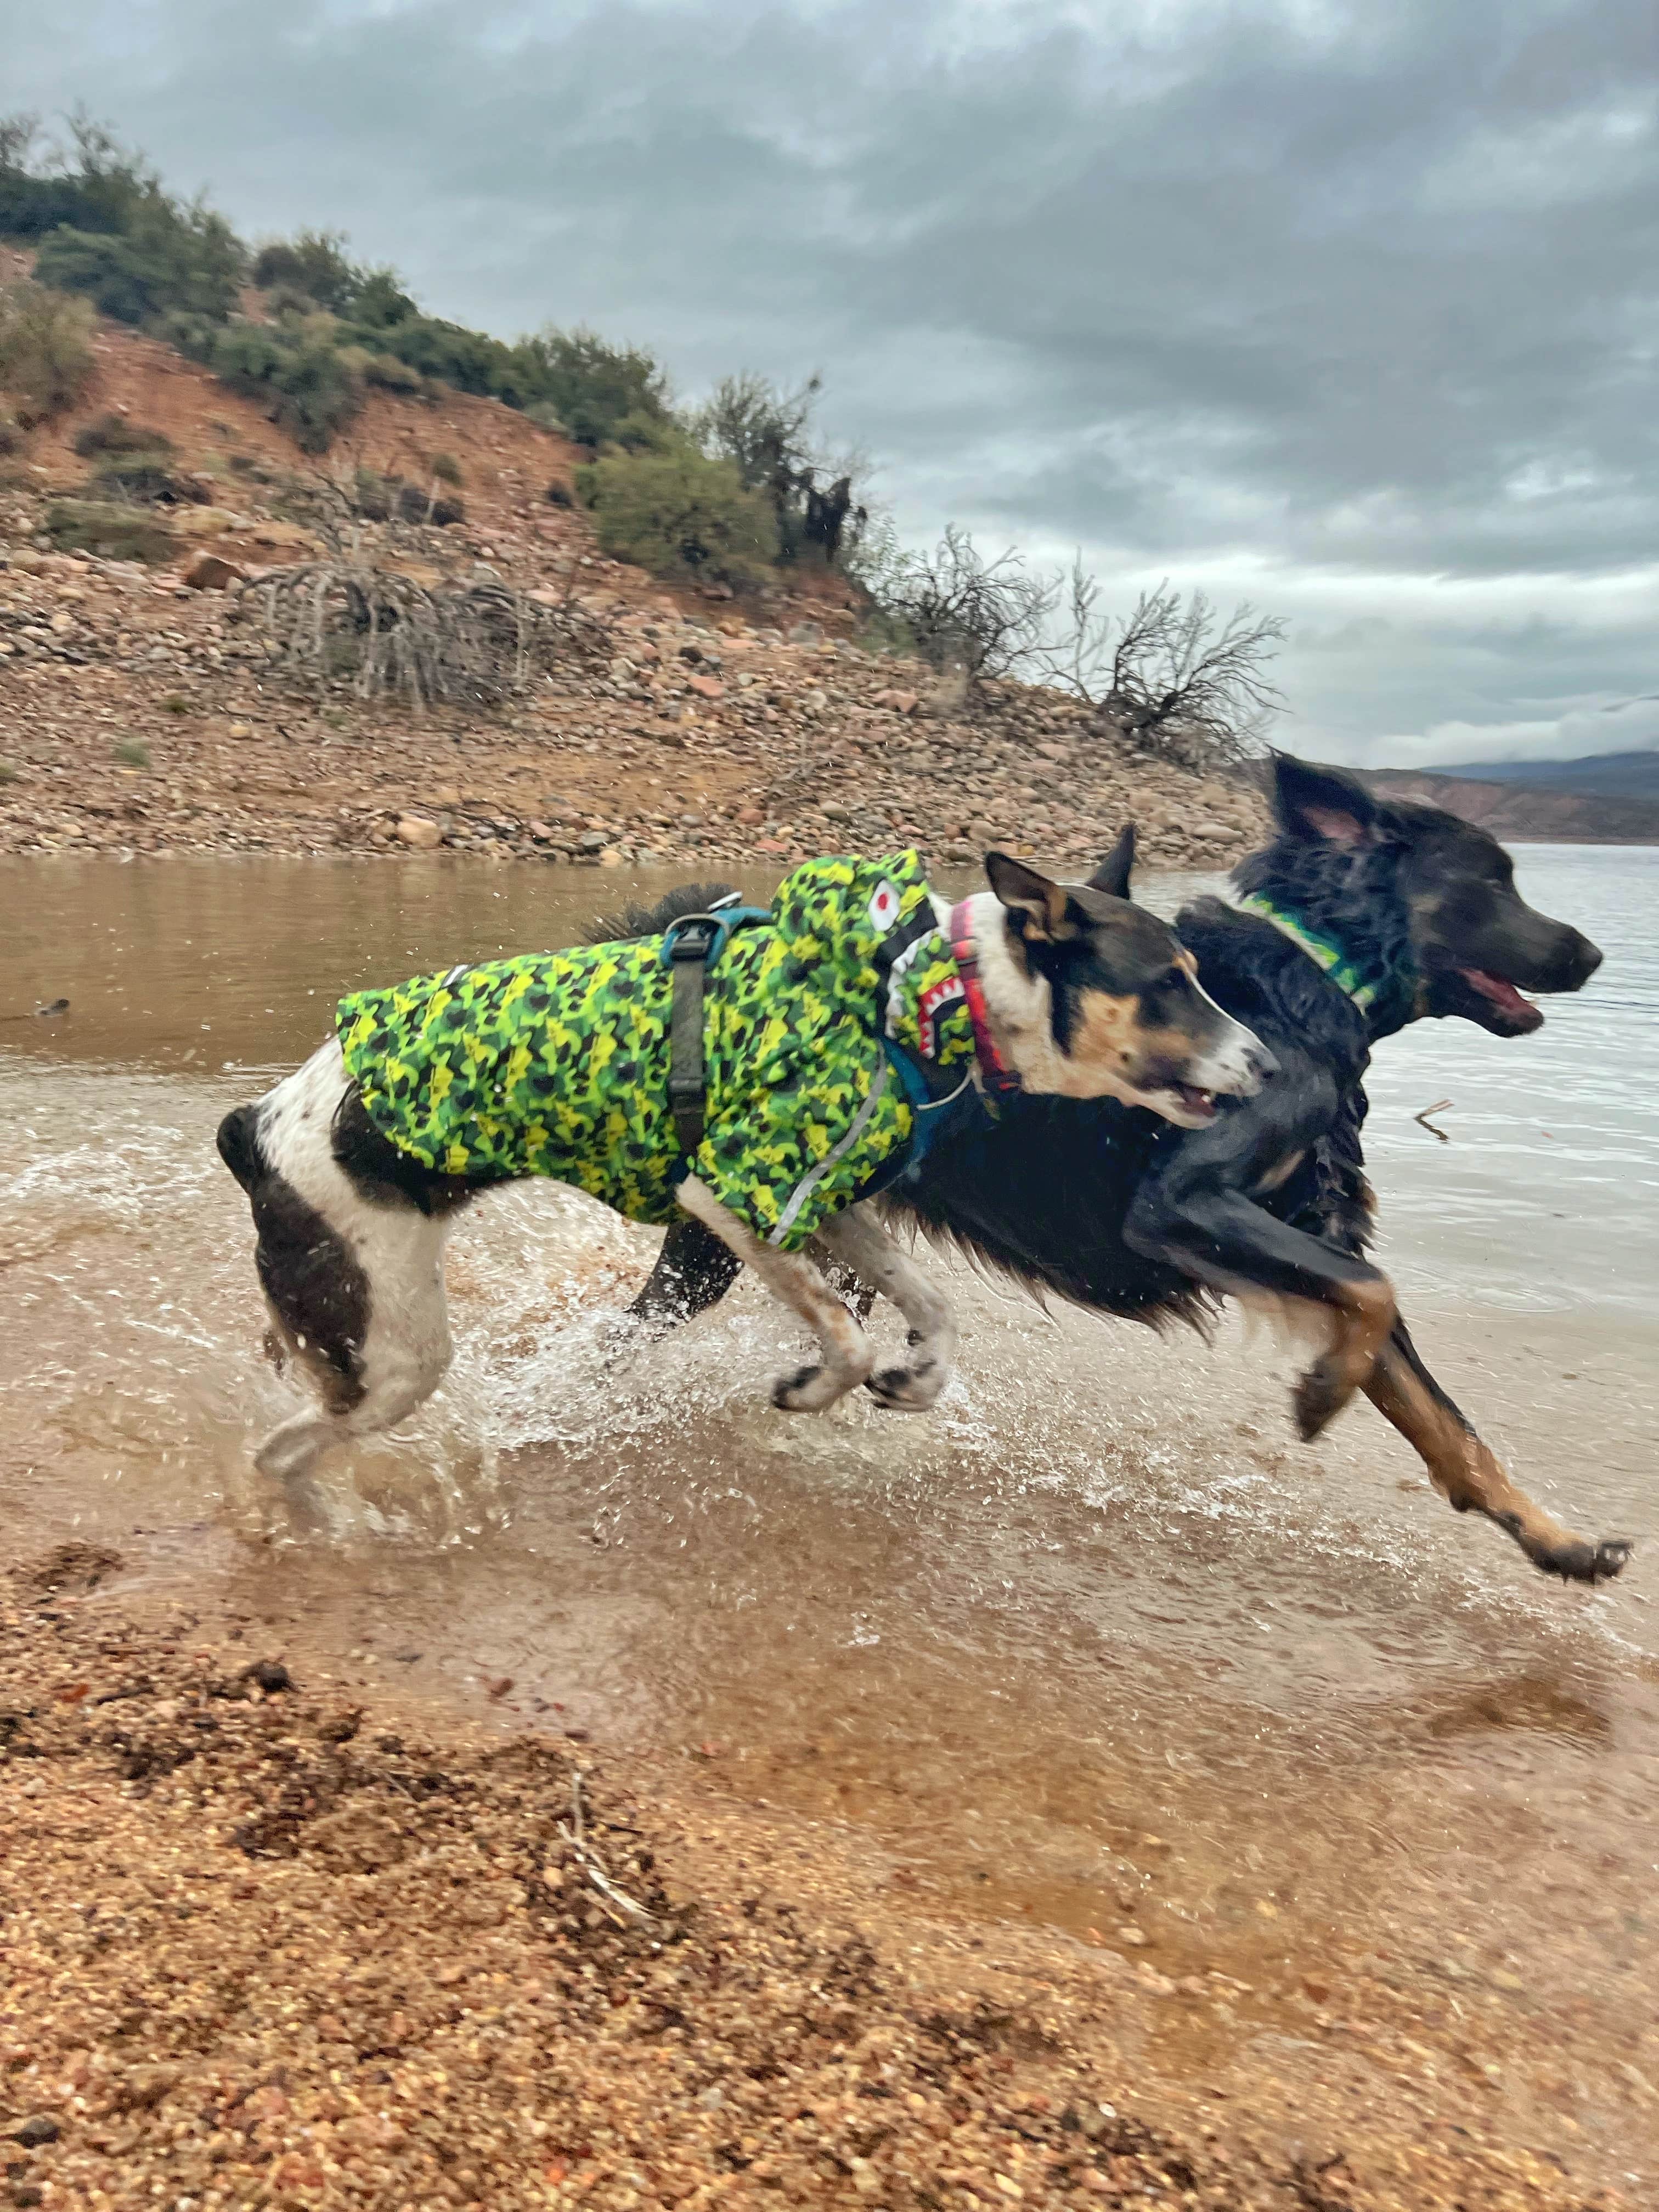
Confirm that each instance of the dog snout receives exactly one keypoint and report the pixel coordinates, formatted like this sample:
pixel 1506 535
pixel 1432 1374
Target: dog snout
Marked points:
pixel 1240 1063
pixel 1583 960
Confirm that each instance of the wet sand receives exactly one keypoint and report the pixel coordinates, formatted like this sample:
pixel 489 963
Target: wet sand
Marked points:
pixel 271 1942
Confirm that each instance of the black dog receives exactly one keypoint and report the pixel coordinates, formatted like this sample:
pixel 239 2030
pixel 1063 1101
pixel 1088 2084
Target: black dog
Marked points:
pixel 1359 918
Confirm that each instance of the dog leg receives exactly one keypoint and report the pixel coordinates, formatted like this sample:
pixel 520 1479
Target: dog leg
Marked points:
pixel 694 1271
pixel 857 1296
pixel 848 1355
pixel 1468 1474
pixel 352 1270
pixel 857 1239
pixel 1225 1240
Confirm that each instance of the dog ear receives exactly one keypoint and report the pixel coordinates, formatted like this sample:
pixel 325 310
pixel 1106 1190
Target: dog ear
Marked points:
pixel 1322 803
pixel 1112 876
pixel 1040 905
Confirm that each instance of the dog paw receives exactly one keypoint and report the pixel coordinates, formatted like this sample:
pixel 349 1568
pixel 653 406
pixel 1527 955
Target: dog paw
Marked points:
pixel 908 1389
pixel 809 1389
pixel 1582 1561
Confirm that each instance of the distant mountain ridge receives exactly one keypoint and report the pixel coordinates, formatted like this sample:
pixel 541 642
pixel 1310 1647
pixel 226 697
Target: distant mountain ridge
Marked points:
pixel 1614 775
pixel 1528 813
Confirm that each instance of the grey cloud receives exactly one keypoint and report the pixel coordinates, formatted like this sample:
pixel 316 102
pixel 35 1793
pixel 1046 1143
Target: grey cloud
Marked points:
pixel 1352 309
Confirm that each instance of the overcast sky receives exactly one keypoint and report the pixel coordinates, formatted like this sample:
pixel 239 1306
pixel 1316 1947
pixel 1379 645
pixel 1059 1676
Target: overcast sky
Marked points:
pixel 1350 308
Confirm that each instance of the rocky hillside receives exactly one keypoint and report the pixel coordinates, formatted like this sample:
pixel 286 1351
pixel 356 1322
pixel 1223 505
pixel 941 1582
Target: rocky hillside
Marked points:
pixel 144 709
pixel 1527 814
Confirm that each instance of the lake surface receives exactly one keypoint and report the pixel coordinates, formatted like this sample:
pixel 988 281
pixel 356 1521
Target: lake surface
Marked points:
pixel 1098 1641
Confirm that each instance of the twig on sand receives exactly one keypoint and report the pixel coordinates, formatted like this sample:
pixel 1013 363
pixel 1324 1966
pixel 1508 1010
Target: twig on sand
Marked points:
pixel 591 1864
pixel 1438 1107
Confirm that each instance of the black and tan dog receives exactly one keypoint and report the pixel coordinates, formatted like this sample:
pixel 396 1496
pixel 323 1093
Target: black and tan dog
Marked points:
pixel 1359 918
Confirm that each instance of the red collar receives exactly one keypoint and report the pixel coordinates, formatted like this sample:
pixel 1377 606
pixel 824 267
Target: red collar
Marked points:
pixel 996 1078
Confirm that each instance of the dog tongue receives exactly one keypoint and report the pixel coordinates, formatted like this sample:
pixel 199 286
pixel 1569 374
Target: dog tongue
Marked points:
pixel 1503 995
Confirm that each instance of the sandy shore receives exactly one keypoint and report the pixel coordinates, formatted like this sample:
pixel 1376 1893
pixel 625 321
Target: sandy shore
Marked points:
pixel 267 1940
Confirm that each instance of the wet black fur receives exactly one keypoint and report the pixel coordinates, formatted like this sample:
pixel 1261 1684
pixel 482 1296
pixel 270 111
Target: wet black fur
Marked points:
pixel 637 920
pixel 317 1291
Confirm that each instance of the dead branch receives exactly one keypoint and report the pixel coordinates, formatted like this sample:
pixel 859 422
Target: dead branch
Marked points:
pixel 385 635
pixel 592 1866
pixel 1171 674
pixel 960 610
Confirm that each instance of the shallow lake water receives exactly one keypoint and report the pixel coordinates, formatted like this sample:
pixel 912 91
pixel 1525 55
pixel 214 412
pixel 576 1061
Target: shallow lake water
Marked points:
pixel 1097 1643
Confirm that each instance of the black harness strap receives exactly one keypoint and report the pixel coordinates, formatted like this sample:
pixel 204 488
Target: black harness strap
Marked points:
pixel 689 949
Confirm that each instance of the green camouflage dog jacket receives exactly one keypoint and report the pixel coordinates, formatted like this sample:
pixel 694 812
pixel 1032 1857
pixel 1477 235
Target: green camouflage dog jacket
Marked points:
pixel 827 1030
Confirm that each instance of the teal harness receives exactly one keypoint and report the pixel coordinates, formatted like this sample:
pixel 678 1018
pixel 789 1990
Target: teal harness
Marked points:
pixel 1388 995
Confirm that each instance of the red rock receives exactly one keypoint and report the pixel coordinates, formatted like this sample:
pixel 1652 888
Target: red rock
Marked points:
pixel 750 817
pixel 210 571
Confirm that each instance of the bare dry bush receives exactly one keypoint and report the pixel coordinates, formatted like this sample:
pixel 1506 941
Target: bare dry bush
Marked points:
pixel 346 621
pixel 1172 674
pixel 959 610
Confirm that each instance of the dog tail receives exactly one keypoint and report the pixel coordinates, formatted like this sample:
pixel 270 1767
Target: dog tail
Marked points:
pixel 636 920
pixel 239 1147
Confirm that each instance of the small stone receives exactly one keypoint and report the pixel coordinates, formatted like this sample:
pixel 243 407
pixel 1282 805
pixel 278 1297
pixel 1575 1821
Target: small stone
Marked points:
pixel 40 2128
pixel 706 687
pixel 240 730
pixel 415 830
pixel 211 572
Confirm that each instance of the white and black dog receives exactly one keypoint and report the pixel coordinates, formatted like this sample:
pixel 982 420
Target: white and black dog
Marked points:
pixel 1070 990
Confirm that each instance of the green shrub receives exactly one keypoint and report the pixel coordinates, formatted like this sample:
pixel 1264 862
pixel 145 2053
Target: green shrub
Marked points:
pixel 591 385
pixel 311 263
pixel 446 468
pixel 172 259
pixel 466 359
pixel 131 753
pixel 114 434
pixel 679 514
pixel 314 266
pixel 116 533
pixel 145 478
pixel 175 703
pixel 304 383
pixel 384 499
pixel 387 373
pixel 45 350
pixel 42 186
pixel 11 433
